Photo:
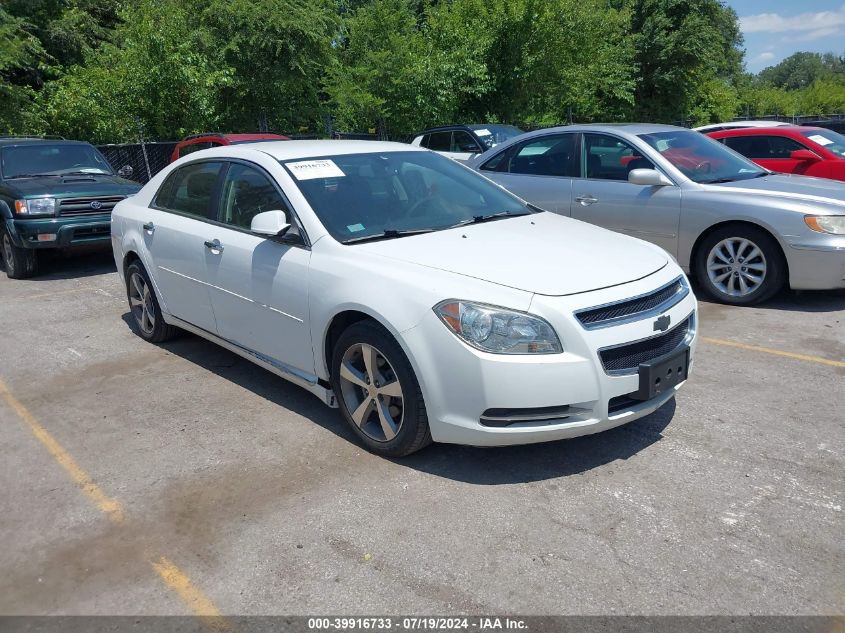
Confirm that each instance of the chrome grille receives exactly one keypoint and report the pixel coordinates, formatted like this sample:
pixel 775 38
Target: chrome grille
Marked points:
pixel 83 206
pixel 636 308
pixel 627 358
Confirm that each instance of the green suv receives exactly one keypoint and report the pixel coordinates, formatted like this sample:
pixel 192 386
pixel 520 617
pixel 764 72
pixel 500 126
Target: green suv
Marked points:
pixel 53 194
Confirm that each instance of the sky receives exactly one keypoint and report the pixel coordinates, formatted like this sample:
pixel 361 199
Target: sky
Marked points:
pixel 774 29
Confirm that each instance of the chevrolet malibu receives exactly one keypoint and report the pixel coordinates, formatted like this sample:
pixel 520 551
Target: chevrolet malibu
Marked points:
pixel 423 300
pixel 743 231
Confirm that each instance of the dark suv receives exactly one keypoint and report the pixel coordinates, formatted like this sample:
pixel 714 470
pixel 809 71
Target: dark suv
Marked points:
pixel 53 194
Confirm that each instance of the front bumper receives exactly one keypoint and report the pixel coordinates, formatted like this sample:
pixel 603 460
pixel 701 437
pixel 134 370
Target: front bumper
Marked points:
pixel 69 232
pixel 817 264
pixel 461 383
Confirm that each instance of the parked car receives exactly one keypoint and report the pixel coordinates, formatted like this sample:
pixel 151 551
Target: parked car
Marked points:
pixel 463 142
pixel 423 300
pixel 743 231
pixel 54 194
pixel 792 149
pixel 208 140
pixel 736 125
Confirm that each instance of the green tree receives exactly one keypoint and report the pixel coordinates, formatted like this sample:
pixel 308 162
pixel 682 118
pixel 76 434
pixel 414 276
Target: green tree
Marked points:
pixel 21 59
pixel 685 49
pixel 802 69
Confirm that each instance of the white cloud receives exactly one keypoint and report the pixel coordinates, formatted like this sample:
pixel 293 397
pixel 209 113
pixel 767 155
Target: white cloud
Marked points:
pixel 764 57
pixel 818 24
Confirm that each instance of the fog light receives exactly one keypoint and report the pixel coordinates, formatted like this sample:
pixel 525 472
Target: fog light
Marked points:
pixel 46 237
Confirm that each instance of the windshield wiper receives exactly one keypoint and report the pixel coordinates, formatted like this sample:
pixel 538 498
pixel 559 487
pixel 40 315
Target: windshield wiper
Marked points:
pixel 85 173
pixel 33 176
pixel 479 219
pixel 387 234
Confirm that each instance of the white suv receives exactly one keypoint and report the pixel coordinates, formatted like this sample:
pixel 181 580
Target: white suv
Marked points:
pixel 419 297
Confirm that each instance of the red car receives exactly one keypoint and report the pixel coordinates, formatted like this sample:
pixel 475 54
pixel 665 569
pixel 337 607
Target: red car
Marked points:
pixel 791 149
pixel 213 139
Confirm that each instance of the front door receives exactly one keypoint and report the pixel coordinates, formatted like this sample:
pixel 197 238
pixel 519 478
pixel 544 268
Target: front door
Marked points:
pixel 173 232
pixel 258 285
pixel 605 197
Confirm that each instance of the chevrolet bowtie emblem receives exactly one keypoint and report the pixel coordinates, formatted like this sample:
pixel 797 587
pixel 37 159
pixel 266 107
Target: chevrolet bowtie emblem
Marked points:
pixel 662 324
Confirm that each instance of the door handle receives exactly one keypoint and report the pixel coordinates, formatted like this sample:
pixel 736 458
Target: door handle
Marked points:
pixel 213 245
pixel 586 201
pixel 149 227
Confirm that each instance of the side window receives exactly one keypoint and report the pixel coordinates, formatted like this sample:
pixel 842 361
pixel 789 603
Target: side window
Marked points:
pixel 763 147
pixel 190 190
pixel 462 141
pixel 246 193
pixel 552 155
pixel 195 147
pixel 609 158
pixel 440 141
pixel 424 141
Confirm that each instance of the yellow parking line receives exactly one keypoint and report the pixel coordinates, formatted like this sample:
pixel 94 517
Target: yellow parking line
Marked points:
pixel 175 579
pixel 775 352
pixel 106 504
pixel 199 603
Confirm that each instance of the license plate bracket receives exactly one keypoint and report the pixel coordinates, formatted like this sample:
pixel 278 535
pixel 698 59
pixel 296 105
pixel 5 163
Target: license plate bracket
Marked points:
pixel 662 374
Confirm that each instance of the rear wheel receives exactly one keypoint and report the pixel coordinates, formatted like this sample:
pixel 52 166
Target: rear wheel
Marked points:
pixel 20 263
pixel 378 392
pixel 740 265
pixel 144 306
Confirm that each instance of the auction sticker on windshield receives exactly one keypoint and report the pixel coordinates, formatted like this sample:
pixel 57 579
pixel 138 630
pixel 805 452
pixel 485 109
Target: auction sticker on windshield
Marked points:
pixel 310 169
pixel 821 140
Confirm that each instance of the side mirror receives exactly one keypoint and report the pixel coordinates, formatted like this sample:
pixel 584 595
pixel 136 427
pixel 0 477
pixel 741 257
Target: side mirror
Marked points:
pixel 126 171
pixel 270 223
pixel 648 177
pixel 804 155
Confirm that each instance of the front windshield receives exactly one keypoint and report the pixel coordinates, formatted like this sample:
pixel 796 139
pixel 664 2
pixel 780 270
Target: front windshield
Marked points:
pixel 43 159
pixel 358 196
pixel 700 158
pixel 492 135
pixel 830 140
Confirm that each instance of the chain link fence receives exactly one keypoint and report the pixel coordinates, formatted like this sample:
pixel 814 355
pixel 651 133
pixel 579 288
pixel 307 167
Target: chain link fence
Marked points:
pixel 145 159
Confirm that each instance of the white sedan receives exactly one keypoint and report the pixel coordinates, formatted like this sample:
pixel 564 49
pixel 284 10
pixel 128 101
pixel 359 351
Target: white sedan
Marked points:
pixel 423 300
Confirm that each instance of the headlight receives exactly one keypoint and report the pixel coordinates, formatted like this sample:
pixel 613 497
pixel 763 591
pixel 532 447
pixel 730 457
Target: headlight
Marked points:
pixel 826 223
pixel 36 206
pixel 498 330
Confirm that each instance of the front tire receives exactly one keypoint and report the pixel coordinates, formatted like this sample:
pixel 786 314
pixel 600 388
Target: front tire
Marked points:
pixel 144 306
pixel 20 263
pixel 740 265
pixel 378 392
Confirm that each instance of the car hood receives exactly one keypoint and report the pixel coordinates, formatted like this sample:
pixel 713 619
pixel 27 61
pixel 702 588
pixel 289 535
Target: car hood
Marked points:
pixel 73 186
pixel 789 187
pixel 542 253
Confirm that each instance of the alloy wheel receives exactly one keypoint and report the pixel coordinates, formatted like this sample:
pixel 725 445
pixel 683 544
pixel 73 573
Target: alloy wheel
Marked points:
pixel 8 255
pixel 141 303
pixel 371 392
pixel 736 266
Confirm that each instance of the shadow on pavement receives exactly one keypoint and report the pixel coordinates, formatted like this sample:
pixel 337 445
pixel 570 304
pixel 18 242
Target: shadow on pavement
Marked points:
pixel 481 466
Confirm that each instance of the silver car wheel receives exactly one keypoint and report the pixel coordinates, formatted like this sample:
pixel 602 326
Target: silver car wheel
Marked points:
pixel 736 266
pixel 371 392
pixel 141 303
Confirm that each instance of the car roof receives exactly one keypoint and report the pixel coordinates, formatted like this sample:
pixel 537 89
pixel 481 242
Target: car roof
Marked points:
pixel 628 128
pixel 292 150
pixel 34 140
pixel 780 130
pixel 741 124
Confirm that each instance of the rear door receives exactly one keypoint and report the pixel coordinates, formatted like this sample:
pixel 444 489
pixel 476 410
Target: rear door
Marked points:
pixel 539 170
pixel 605 197
pixel 174 231
pixel 259 285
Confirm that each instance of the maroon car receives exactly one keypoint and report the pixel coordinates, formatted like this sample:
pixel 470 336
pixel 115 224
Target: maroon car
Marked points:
pixel 215 139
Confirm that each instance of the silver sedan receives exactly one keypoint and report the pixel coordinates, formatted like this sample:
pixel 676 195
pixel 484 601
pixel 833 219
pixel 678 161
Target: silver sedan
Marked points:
pixel 743 231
